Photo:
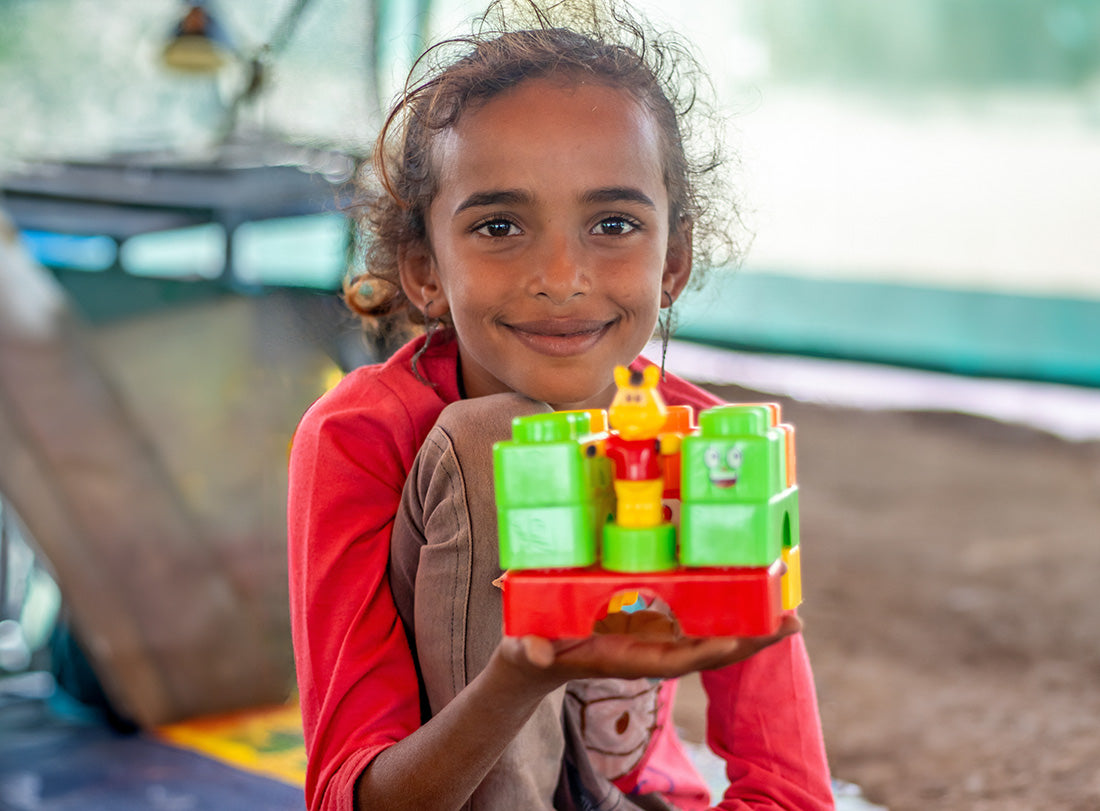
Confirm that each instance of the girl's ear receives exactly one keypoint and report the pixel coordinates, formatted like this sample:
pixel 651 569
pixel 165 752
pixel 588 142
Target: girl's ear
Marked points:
pixel 420 280
pixel 677 263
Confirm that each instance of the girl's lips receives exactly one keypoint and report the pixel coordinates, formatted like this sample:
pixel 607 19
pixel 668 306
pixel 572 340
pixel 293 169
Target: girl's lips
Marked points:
pixel 560 338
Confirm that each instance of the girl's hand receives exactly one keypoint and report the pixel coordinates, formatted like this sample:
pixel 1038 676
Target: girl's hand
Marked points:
pixel 633 645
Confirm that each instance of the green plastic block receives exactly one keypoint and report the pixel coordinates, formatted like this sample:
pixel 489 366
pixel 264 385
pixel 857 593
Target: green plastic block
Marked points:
pixel 539 474
pixel 736 509
pixel 735 457
pixel 547 537
pixel 551 495
pixel 639 549
pixel 735 420
pixel 717 534
pixel 792 529
pixel 556 427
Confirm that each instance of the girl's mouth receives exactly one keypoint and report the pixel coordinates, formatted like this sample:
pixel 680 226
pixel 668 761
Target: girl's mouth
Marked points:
pixel 560 338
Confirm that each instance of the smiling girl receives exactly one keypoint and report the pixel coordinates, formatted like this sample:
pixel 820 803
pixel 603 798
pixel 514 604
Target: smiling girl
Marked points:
pixel 536 210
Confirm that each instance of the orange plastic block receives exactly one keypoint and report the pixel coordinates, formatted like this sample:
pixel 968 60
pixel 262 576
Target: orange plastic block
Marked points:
pixel 681 421
pixel 707 602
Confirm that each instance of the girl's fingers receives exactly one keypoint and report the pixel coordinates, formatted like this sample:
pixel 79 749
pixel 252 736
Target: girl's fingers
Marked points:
pixel 633 655
pixel 538 651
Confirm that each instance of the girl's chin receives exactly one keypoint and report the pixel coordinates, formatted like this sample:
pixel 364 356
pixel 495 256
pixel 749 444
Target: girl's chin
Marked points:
pixel 586 383
pixel 563 398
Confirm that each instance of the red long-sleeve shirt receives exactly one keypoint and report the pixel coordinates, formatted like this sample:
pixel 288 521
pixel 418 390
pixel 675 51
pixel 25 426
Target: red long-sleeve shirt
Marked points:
pixel 356 677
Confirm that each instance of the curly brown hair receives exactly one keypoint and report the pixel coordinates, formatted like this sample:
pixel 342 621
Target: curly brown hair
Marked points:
pixel 592 40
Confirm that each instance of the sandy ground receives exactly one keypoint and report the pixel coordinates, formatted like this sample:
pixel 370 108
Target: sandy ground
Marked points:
pixel 949 569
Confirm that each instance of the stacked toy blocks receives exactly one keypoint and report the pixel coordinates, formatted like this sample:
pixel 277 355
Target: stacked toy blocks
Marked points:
pixel 595 508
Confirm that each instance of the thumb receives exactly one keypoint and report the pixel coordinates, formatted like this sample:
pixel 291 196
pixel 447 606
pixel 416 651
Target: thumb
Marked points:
pixel 538 651
pixel 528 650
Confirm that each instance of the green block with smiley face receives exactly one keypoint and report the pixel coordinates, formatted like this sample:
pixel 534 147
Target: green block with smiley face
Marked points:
pixel 737 509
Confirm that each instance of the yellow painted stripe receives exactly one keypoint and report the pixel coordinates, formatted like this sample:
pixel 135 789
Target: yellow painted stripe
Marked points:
pixel 265 741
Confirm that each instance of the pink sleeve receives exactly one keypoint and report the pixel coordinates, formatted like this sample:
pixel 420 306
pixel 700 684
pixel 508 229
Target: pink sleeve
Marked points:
pixel 762 720
pixel 356 678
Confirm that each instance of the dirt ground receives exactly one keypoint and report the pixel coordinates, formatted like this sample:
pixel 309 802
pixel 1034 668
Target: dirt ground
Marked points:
pixel 950 569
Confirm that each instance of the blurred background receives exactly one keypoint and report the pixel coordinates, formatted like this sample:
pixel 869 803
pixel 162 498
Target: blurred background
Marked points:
pixel 918 183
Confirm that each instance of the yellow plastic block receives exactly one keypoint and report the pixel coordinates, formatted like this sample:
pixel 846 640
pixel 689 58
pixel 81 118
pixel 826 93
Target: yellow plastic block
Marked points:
pixel 791 582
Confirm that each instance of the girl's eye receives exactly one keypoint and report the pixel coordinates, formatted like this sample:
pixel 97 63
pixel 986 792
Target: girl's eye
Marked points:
pixel 614 227
pixel 497 228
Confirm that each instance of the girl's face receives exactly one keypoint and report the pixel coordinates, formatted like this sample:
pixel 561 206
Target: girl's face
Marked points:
pixel 549 241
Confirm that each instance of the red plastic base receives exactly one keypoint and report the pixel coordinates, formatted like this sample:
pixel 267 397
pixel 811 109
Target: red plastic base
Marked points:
pixel 567 603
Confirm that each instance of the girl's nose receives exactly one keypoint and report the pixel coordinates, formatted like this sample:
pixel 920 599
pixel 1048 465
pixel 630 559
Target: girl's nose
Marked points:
pixel 560 271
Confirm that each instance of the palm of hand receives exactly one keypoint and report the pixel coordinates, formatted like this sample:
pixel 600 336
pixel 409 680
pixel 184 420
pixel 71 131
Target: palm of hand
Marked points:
pixel 642 644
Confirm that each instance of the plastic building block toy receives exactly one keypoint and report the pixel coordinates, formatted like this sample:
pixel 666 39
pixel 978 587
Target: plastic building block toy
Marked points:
pixel 639 539
pixel 604 511
pixel 738 507
pixel 792 579
pixel 553 496
pixel 705 602
pixel 679 422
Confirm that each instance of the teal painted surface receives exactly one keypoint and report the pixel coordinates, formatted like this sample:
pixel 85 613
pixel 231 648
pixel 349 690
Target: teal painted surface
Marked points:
pixel 965 332
pixel 102 298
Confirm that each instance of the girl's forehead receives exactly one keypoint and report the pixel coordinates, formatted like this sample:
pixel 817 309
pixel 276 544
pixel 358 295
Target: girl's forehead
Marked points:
pixel 552 122
pixel 562 94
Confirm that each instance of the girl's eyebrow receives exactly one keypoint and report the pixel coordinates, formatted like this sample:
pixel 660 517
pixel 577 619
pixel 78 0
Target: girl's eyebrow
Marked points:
pixel 501 197
pixel 513 197
pixel 618 194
